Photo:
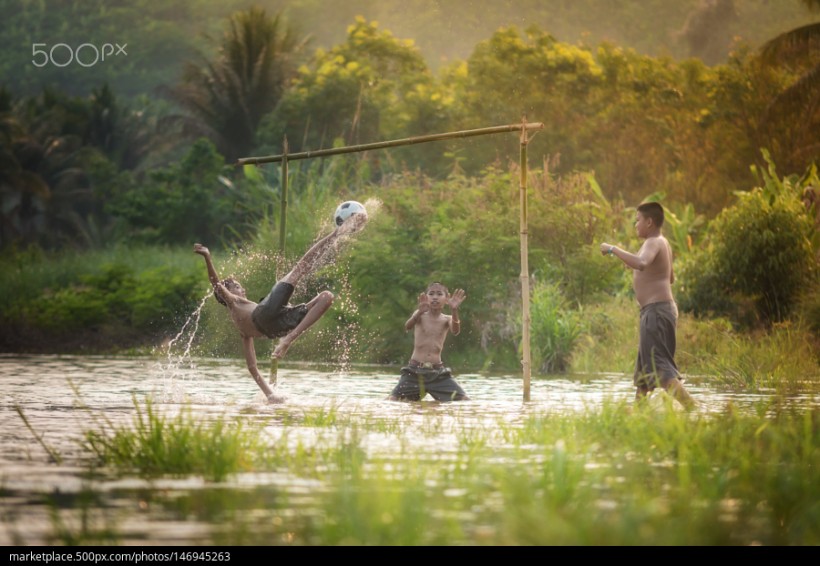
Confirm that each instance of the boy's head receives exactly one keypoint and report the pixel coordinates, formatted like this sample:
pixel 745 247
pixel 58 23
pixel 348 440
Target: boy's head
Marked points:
pixel 437 294
pixel 652 210
pixel 231 285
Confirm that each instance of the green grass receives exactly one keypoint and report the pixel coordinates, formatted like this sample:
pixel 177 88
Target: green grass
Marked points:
pixel 616 475
pixel 783 359
pixel 156 444
pixel 28 273
pixel 610 343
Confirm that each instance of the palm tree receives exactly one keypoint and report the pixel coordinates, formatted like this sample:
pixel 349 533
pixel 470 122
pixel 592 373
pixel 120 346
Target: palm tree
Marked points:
pixel 22 192
pixel 228 97
pixel 794 114
pixel 42 176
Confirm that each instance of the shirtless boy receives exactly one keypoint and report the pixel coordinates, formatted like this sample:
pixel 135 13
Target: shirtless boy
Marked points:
pixel 426 373
pixel 652 281
pixel 273 317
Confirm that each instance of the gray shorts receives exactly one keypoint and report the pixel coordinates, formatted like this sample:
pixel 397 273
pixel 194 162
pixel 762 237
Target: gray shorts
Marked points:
pixel 656 351
pixel 416 382
pixel 273 316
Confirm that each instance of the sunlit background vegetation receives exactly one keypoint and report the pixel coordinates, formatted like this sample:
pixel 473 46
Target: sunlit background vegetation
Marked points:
pixel 110 172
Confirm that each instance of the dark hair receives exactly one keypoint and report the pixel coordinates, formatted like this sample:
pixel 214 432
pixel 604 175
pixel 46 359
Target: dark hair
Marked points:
pixel 446 290
pixel 224 282
pixel 652 210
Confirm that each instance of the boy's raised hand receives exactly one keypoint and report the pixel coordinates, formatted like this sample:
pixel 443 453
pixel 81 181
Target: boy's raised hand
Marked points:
pixel 201 250
pixel 456 298
pixel 424 303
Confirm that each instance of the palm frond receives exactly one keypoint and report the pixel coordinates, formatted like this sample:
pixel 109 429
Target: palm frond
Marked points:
pixel 797 100
pixel 795 44
pixel 232 93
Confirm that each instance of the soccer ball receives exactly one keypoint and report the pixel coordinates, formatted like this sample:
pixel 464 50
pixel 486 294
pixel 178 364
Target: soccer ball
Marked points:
pixel 348 209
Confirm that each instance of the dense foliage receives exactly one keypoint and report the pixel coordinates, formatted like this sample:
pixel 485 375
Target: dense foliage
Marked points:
pixel 94 302
pixel 643 124
pixel 758 258
pixel 93 171
pixel 161 37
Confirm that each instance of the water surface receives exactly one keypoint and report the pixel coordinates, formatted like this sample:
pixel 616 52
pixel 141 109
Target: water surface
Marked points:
pixel 61 396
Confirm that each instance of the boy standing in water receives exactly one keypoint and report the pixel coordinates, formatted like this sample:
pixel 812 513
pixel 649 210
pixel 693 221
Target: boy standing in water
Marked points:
pixel 426 373
pixel 273 317
pixel 652 281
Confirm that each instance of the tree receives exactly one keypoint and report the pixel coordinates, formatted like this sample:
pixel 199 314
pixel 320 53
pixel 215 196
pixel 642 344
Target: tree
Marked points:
pixel 793 116
pixel 183 202
pixel 373 86
pixel 227 97
pixel 707 30
pixel 45 193
pixel 758 256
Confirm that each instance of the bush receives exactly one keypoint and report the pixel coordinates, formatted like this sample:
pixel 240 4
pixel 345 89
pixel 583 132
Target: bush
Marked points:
pixel 189 201
pixel 108 299
pixel 555 328
pixel 757 260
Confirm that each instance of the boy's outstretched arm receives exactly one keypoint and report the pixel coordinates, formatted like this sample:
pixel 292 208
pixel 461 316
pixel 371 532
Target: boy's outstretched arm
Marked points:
pixel 206 253
pixel 226 297
pixel 638 262
pixel 250 359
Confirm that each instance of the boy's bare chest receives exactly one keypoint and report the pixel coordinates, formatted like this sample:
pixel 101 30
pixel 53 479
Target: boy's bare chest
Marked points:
pixel 434 325
pixel 242 317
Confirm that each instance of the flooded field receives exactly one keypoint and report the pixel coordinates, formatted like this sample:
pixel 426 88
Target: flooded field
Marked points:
pixel 49 495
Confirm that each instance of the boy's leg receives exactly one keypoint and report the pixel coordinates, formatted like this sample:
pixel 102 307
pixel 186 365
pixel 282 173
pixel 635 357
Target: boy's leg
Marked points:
pixel 306 264
pixel 446 388
pixel 316 308
pixel 676 389
pixel 409 388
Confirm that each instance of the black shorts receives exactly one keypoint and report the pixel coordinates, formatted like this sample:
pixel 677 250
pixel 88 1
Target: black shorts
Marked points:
pixel 416 382
pixel 273 316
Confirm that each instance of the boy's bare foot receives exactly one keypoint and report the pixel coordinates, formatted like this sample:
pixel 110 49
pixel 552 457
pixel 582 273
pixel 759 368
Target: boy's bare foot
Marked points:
pixel 280 350
pixel 274 398
pixel 353 224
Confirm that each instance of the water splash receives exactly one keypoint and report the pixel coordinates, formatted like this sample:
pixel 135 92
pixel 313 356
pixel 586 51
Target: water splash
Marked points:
pixel 348 339
pixel 373 206
pixel 333 251
pixel 175 362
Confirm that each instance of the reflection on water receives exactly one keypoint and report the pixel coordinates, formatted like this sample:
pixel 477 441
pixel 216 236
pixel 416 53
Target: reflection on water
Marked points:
pixel 59 397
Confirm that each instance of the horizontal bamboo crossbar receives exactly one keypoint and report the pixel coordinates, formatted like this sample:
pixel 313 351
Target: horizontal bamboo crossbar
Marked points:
pixel 390 143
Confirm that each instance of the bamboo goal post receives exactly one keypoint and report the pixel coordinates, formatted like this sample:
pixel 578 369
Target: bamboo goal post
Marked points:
pixel 524 128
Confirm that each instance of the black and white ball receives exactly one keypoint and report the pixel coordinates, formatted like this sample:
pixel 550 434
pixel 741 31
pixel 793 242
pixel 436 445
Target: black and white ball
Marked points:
pixel 348 209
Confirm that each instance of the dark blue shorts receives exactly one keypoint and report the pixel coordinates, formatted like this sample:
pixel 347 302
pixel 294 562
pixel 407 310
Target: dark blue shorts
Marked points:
pixel 273 316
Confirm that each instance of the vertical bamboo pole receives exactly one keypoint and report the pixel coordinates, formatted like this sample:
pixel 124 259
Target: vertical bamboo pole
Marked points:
pixel 283 213
pixel 283 219
pixel 525 268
